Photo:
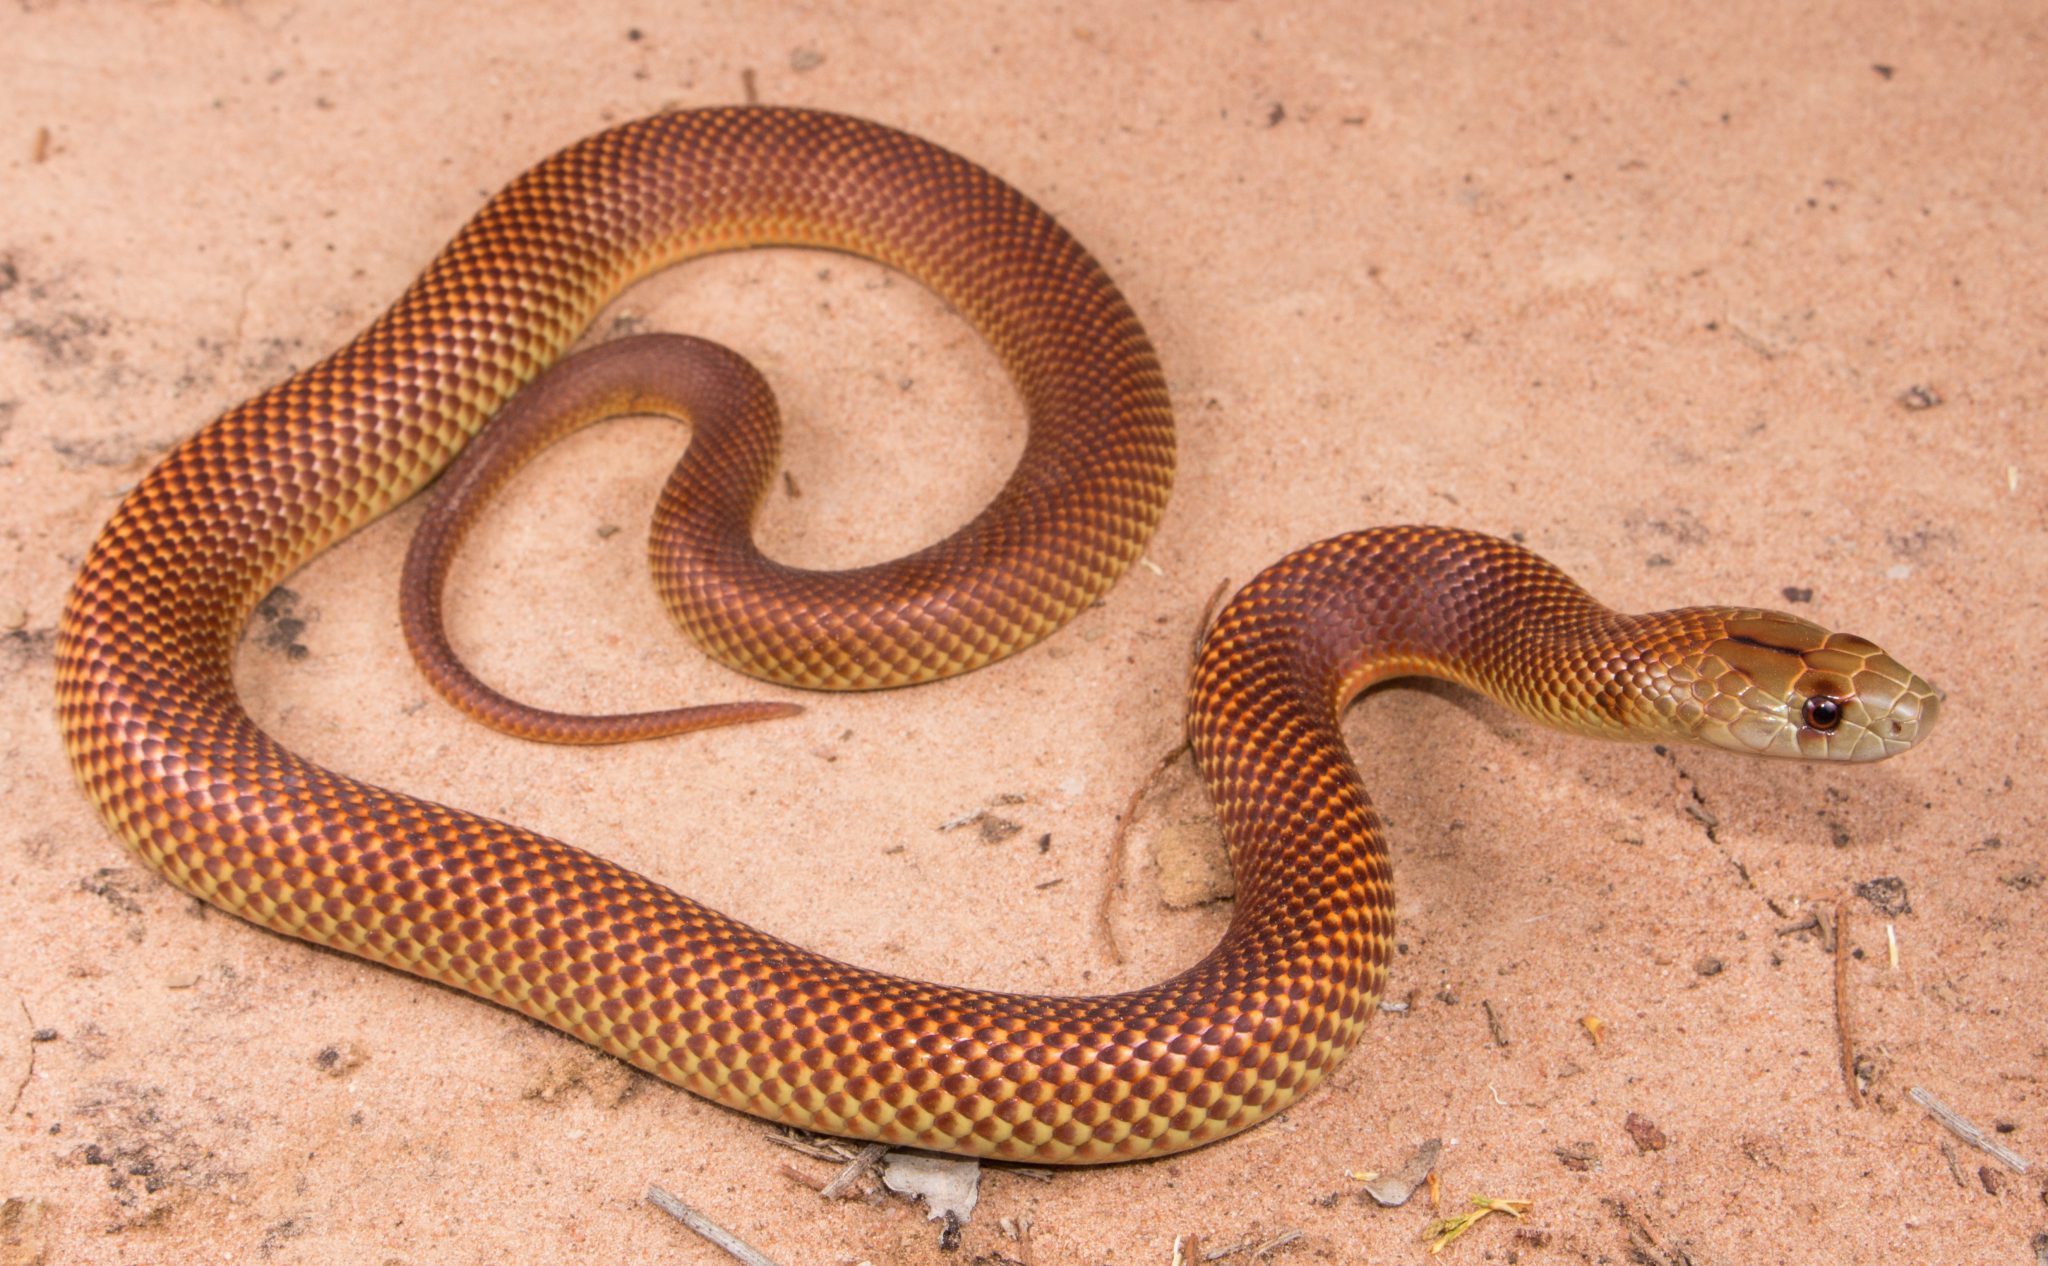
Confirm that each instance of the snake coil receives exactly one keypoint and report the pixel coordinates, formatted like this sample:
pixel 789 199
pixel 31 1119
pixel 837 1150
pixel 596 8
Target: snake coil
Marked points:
pixel 162 745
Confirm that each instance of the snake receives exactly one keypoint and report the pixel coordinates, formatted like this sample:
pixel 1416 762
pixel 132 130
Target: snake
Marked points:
pixel 162 745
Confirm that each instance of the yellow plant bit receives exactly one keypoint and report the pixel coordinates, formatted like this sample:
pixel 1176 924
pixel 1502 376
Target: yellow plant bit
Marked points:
pixel 1596 1028
pixel 1441 1231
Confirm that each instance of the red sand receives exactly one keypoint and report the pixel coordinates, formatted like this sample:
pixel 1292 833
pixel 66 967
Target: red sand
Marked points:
pixel 1650 288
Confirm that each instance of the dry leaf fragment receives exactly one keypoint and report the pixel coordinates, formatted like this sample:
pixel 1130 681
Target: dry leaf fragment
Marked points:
pixel 950 1186
pixel 1441 1231
pixel 1391 1191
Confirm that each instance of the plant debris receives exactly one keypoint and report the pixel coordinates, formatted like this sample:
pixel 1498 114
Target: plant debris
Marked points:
pixel 1844 1030
pixel 1647 1137
pixel 1967 1132
pixel 1257 1247
pixel 949 1186
pixel 1113 864
pixel 1579 1157
pixel 736 1248
pixel 854 1170
pixel 1495 1026
pixel 992 828
pixel 1391 1191
pixel 1440 1232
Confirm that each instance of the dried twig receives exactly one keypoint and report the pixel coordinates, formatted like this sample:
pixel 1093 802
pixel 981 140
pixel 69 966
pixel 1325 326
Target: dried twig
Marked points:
pixel 1113 882
pixel 796 1175
pixel 824 1149
pixel 1036 1173
pixel 1495 1026
pixel 1209 610
pixel 1258 1248
pixel 1963 1130
pixel 1279 1241
pixel 1808 922
pixel 1955 1167
pixel 35 1038
pixel 869 1157
pixel 733 1245
pixel 1842 1029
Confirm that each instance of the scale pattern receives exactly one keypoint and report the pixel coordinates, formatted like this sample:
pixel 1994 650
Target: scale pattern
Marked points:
pixel 161 744
pixel 705 512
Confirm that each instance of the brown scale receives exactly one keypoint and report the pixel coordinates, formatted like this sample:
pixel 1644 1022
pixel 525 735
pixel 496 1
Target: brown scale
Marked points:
pixel 160 742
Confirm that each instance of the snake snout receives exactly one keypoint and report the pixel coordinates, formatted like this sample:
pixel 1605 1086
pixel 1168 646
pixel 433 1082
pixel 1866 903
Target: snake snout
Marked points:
pixel 1883 706
pixel 1895 708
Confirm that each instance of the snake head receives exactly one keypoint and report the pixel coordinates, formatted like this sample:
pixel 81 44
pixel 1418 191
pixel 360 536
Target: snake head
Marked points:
pixel 1772 684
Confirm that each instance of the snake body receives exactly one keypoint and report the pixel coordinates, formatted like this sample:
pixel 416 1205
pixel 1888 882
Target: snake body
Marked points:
pixel 163 747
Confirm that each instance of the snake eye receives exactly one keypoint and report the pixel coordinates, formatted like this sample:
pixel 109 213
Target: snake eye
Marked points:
pixel 1823 713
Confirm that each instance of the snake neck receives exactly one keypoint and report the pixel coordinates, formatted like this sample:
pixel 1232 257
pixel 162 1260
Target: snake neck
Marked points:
pixel 1311 632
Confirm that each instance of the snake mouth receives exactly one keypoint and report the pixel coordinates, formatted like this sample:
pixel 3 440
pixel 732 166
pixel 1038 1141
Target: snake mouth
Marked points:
pixel 1907 717
pixel 1871 729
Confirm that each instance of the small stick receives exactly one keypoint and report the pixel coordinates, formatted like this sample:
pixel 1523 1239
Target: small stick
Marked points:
pixel 1251 1244
pixel 1036 1173
pixel 1209 609
pixel 1842 1030
pixel 794 1174
pixel 1808 922
pixel 825 1150
pixel 1965 1131
pixel 1114 881
pixel 27 1074
pixel 1955 1167
pixel 859 1165
pixel 734 1246
pixel 1494 1025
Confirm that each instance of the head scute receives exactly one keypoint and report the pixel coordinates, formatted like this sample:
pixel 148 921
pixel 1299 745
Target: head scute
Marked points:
pixel 1772 684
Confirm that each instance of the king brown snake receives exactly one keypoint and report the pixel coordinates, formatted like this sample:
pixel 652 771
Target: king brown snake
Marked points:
pixel 162 745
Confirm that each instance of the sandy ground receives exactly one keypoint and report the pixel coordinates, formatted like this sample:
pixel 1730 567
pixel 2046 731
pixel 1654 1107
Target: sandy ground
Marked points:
pixel 1717 304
